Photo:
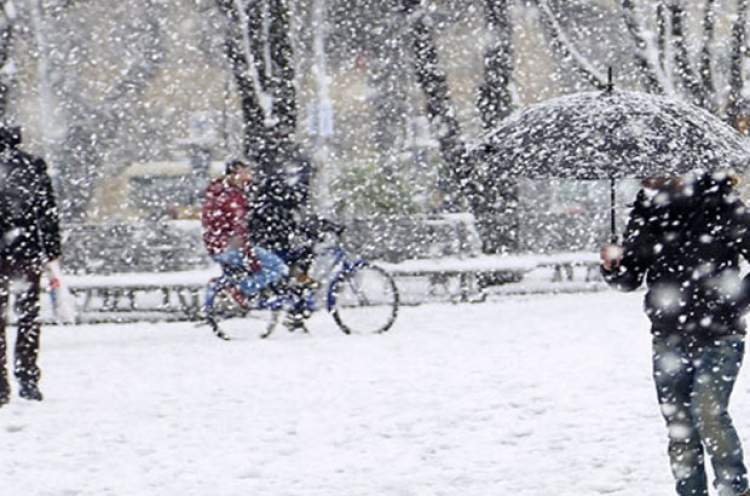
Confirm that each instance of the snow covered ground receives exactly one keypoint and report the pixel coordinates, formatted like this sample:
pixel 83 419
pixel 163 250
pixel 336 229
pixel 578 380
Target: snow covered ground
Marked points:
pixel 523 396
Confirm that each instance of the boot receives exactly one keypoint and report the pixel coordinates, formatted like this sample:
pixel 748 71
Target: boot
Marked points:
pixel 304 280
pixel 30 391
pixel 4 392
pixel 294 322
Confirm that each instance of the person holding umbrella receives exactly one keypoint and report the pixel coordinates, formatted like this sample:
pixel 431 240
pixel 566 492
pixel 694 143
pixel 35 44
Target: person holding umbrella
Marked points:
pixel 685 236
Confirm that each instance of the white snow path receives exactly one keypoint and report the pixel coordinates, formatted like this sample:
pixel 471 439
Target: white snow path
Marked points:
pixel 528 396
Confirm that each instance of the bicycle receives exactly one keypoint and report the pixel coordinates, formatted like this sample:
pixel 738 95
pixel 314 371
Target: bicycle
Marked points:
pixel 361 298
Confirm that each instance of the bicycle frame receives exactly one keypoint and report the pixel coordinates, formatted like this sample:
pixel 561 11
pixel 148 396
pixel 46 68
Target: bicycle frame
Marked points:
pixel 347 267
pixel 289 299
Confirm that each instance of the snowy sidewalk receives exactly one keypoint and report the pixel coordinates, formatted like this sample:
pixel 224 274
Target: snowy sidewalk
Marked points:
pixel 530 396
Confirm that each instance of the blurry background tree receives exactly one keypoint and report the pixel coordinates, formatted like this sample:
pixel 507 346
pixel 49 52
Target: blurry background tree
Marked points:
pixel 91 100
pixel 492 200
pixel 673 47
pixel 260 55
pixel 7 65
pixel 385 96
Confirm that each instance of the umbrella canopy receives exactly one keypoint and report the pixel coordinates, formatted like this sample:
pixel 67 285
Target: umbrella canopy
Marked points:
pixel 611 134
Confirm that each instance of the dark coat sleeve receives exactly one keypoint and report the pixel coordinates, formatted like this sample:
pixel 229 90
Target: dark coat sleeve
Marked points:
pixel 46 209
pixel 739 238
pixel 740 229
pixel 638 251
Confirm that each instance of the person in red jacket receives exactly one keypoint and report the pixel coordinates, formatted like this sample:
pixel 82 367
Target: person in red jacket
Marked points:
pixel 225 232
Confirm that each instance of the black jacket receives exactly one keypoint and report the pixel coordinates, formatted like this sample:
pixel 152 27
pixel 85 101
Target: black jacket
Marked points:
pixel 29 226
pixel 275 215
pixel 687 244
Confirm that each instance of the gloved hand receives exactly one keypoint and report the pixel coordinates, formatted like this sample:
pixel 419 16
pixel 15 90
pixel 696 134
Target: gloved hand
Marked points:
pixel 743 295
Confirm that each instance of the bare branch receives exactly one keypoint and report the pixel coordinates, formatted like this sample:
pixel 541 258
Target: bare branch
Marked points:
pixel 738 52
pixel 495 99
pixel 681 57
pixel 281 67
pixel 647 67
pixel 6 63
pixel 564 48
pixel 245 71
pixel 434 84
pixel 661 41
pixel 706 73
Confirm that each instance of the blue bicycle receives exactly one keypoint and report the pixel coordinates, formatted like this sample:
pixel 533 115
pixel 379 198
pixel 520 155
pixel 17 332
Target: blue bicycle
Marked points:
pixel 361 298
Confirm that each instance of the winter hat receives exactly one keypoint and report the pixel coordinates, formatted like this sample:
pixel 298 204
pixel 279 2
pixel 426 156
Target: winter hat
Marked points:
pixel 234 165
pixel 10 137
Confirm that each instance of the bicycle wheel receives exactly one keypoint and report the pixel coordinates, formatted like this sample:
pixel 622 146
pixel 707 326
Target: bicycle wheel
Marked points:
pixel 364 300
pixel 230 315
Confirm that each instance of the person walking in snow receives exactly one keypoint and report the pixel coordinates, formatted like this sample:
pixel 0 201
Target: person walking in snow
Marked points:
pixel 226 235
pixel 685 236
pixel 29 240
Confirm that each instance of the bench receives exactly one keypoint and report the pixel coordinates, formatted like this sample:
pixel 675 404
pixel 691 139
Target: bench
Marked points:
pixel 179 295
pixel 128 297
pixel 473 275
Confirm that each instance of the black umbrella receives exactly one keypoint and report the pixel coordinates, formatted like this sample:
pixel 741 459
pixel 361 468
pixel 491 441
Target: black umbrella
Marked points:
pixel 611 135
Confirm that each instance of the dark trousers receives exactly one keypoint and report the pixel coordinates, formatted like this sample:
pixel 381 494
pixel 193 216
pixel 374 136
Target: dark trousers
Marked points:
pixel 694 382
pixel 29 328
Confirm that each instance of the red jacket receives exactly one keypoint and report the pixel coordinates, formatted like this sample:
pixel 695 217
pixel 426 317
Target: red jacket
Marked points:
pixel 224 216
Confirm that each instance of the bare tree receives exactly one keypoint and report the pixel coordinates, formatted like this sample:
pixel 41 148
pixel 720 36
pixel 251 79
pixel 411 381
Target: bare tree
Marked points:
pixel 7 68
pixel 260 55
pixel 495 98
pixel 88 131
pixel 492 200
pixel 664 62
pixel 497 217
pixel 455 181
pixel 738 54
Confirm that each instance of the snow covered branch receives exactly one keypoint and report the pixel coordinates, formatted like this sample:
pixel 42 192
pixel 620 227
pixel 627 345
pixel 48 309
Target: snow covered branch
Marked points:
pixel 738 53
pixel 705 68
pixel 645 54
pixel 495 98
pixel 565 49
pixel 681 57
pixel 7 67
pixel 254 101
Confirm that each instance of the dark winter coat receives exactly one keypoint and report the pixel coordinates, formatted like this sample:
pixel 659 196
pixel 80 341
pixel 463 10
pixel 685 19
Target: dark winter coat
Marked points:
pixel 687 244
pixel 29 225
pixel 275 217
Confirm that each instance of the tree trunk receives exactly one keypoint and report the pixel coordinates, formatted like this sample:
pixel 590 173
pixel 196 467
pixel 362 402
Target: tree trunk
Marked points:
pixel 497 216
pixel 495 99
pixel 454 180
pixel 736 80
pixel 681 57
pixel 243 70
pixel 282 69
pixel 661 40
pixel 564 49
pixel 6 45
pixel 705 69
pixel 260 54
pixel 649 74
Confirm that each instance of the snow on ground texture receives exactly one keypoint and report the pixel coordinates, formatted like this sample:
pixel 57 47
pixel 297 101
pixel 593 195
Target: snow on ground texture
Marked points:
pixel 526 396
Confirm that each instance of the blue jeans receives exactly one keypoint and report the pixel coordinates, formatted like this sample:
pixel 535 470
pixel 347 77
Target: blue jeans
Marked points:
pixel 272 269
pixel 694 382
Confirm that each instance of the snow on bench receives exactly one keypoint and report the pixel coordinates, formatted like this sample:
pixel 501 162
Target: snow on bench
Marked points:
pixel 161 295
pixel 179 295
pixel 473 274
pixel 491 263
